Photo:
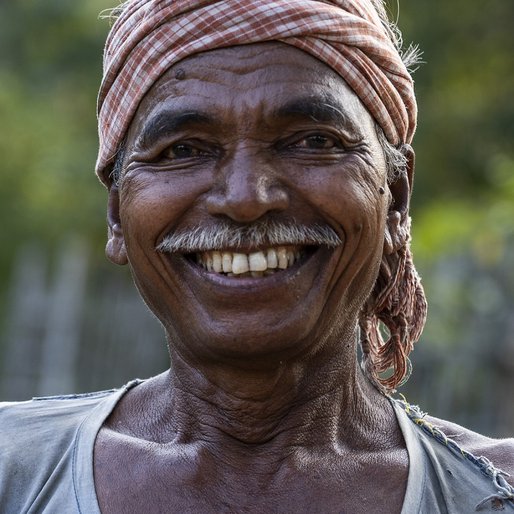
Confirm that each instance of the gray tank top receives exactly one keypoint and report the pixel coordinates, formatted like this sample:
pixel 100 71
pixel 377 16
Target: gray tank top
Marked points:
pixel 46 460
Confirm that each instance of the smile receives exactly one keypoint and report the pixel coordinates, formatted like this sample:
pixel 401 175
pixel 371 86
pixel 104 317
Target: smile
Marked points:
pixel 256 264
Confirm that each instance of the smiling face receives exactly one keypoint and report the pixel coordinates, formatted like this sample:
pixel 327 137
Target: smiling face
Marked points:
pixel 267 154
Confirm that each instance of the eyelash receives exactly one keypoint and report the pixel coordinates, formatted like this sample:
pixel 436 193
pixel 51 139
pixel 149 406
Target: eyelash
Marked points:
pixel 194 150
pixel 316 139
pixel 302 143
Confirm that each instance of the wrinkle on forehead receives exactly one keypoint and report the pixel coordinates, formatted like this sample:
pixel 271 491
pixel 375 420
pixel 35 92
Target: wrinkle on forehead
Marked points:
pixel 219 79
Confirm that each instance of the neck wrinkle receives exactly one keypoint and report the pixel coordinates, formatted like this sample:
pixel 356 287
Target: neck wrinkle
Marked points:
pixel 326 402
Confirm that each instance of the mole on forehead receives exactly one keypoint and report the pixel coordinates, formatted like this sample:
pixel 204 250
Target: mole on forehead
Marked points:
pixel 316 73
pixel 268 55
pixel 180 74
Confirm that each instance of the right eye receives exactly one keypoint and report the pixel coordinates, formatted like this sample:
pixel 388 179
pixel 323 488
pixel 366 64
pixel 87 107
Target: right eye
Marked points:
pixel 182 151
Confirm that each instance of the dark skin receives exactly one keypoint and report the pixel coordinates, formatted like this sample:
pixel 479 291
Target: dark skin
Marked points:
pixel 264 408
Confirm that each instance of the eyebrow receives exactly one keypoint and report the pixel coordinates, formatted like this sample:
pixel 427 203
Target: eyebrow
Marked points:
pixel 169 122
pixel 324 109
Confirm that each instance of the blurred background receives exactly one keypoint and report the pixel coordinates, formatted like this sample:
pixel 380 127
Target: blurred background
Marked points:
pixel 70 321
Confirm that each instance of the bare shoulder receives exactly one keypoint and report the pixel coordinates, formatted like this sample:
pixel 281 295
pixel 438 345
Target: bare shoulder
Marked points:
pixel 499 451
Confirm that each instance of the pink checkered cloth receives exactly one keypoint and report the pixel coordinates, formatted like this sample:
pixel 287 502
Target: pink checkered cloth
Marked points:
pixel 347 35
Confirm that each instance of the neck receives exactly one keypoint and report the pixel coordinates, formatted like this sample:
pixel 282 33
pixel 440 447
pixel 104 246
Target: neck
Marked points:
pixel 321 400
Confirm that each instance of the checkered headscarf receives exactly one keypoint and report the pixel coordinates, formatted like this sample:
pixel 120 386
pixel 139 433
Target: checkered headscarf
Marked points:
pixel 151 35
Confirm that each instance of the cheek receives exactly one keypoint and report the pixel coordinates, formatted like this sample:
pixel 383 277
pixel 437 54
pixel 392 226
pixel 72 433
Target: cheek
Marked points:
pixel 349 196
pixel 152 204
pixel 350 199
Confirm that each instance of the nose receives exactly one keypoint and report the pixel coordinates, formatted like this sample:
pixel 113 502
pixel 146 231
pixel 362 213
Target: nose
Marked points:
pixel 249 188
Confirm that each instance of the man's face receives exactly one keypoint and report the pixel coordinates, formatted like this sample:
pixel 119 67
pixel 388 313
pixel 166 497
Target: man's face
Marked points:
pixel 257 133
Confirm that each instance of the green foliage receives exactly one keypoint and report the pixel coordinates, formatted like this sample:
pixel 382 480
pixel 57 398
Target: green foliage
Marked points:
pixel 51 63
pixel 465 95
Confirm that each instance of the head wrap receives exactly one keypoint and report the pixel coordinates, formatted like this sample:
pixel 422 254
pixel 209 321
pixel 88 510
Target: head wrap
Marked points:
pixel 348 35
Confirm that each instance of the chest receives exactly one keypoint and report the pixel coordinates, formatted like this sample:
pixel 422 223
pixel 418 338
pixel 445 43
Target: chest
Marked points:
pixel 141 478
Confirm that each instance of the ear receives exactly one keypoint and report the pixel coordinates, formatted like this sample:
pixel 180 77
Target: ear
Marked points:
pixel 397 230
pixel 115 247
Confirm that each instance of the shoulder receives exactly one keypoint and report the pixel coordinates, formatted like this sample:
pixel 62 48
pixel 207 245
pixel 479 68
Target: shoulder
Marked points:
pixel 38 441
pixel 42 428
pixel 464 470
pixel 26 427
pixel 499 451
pixel 36 414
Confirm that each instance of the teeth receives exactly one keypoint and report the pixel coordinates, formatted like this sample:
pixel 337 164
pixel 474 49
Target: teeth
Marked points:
pixel 282 258
pixel 208 262
pixel 240 264
pixel 217 265
pixel 271 257
pixel 256 264
pixel 257 261
pixel 226 262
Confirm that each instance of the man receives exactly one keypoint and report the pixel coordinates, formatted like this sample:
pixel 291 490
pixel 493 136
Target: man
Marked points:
pixel 258 161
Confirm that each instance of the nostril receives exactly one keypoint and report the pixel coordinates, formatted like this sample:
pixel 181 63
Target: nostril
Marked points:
pixel 246 204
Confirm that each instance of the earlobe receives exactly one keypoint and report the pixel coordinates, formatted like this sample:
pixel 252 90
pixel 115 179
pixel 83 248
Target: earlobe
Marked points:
pixel 397 230
pixel 115 247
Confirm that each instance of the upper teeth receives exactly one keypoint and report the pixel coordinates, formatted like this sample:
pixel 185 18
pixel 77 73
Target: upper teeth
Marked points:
pixel 255 262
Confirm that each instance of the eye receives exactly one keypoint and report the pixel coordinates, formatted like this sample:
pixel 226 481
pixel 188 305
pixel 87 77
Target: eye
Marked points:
pixel 318 142
pixel 182 151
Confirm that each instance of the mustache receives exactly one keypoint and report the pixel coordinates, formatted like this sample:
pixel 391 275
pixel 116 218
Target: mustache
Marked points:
pixel 225 235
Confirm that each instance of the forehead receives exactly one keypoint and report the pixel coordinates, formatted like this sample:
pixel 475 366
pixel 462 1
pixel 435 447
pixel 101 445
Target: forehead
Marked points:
pixel 251 80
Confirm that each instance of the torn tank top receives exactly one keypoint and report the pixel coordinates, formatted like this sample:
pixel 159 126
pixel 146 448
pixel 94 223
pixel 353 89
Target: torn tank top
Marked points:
pixel 444 478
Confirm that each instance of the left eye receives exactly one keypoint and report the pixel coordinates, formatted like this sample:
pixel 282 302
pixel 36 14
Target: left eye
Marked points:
pixel 317 142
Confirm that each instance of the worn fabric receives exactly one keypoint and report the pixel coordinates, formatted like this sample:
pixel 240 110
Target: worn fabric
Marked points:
pixel 443 478
pixel 347 35
pixel 46 461
pixel 46 453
